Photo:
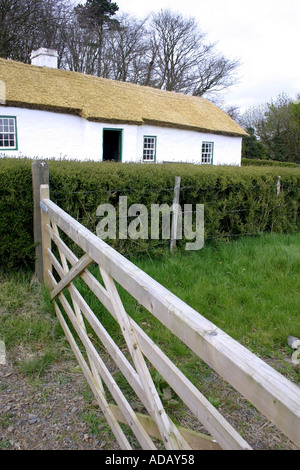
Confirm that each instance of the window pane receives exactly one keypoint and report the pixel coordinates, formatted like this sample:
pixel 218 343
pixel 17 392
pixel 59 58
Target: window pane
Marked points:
pixel 149 148
pixel 7 133
pixel 207 152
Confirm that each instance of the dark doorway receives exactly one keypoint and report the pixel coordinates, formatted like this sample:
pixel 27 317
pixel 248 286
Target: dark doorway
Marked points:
pixel 112 145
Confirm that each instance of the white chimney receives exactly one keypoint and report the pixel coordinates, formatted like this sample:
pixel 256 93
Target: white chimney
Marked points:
pixel 44 58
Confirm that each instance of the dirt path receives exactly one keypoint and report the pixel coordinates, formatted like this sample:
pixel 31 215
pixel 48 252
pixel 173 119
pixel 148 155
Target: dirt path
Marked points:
pixel 58 412
pixel 51 413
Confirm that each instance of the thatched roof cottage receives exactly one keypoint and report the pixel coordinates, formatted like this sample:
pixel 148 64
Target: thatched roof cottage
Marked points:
pixel 46 113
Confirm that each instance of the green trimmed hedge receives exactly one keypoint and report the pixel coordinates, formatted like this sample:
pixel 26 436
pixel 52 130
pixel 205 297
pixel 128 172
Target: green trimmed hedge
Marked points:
pixel 16 209
pixel 257 162
pixel 238 200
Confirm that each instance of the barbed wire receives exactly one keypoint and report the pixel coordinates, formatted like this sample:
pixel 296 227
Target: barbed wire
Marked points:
pixel 283 187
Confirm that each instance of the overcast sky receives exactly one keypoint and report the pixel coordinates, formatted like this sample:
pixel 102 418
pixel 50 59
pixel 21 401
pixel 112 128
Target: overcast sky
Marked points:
pixel 263 34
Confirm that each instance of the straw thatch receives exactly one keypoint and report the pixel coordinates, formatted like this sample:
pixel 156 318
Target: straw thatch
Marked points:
pixel 109 101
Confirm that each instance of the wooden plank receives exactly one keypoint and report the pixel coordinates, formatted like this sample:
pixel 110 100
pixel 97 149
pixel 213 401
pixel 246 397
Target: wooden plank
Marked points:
pixel 175 213
pixel 131 418
pixel 104 406
pixel 226 436
pixel 40 175
pixel 197 441
pixel 80 266
pixel 111 347
pixel 65 270
pixel 46 239
pixel 271 393
pixel 171 437
pixel 88 278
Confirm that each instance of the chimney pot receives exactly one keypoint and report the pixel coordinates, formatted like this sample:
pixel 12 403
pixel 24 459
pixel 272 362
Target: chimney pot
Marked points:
pixel 44 58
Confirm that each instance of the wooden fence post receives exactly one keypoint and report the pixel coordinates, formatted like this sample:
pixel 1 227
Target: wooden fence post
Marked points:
pixel 175 212
pixel 40 175
pixel 278 185
pixel 46 239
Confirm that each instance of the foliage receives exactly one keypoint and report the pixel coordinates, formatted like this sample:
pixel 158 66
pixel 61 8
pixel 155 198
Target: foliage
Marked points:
pixel 16 210
pixel 237 200
pixel 276 127
pixel 261 162
pixel 252 147
pixel 95 16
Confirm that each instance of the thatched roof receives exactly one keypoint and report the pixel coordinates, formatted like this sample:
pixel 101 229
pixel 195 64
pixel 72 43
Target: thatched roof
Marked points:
pixel 109 101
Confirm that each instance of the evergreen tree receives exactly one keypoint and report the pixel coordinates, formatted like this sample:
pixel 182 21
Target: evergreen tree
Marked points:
pixel 252 147
pixel 96 15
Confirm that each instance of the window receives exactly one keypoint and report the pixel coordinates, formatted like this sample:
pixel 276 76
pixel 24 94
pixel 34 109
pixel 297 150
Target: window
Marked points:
pixel 8 133
pixel 149 150
pixel 207 152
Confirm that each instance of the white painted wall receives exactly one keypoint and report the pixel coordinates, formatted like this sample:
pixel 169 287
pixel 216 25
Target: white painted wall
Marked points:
pixel 177 145
pixel 44 134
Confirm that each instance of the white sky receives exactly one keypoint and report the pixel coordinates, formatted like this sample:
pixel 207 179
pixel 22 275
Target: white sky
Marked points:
pixel 263 34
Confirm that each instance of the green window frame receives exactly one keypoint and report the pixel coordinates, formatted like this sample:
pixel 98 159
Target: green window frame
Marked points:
pixel 149 148
pixel 8 133
pixel 207 153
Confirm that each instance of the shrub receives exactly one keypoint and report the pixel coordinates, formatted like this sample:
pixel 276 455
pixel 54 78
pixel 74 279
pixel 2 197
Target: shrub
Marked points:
pixel 258 162
pixel 238 200
pixel 16 208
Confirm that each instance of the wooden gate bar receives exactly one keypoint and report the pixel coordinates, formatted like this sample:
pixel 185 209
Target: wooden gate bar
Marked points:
pixel 274 395
pixel 80 266
pixel 64 272
pixel 169 433
pixel 131 418
pixel 218 427
pixel 104 406
pixel 206 413
pixel 198 441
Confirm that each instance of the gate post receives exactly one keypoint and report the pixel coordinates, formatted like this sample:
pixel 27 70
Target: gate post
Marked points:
pixel 46 239
pixel 40 175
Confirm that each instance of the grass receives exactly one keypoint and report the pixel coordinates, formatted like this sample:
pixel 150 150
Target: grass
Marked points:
pixel 249 288
pixel 27 323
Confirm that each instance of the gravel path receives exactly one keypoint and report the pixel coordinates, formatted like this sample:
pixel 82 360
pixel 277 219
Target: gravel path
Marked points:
pixel 49 413
pixel 57 411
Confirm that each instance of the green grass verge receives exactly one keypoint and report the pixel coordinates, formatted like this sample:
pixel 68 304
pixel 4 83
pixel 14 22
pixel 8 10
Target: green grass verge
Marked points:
pixel 249 288
pixel 27 323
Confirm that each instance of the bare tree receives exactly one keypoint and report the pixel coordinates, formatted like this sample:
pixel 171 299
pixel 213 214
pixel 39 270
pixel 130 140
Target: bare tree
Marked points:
pixel 185 61
pixel 127 47
pixel 29 24
pixel 81 49
pixel 166 51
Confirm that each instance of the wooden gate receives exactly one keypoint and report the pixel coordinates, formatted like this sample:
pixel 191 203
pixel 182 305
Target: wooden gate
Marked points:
pixel 271 393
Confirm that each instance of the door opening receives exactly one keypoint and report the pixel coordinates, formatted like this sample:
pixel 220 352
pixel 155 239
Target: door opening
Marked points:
pixel 112 145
